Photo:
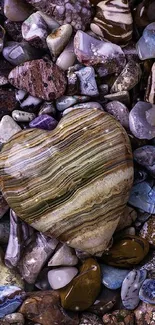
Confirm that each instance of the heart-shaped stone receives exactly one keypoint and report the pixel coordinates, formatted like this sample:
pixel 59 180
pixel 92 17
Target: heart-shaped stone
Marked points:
pixel 73 182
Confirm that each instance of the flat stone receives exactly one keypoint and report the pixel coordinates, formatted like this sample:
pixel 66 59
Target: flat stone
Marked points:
pixel 11 297
pixel 81 293
pixel 44 307
pixel 57 40
pixel 48 80
pixel 44 121
pixel 16 10
pixel 122 96
pixel 91 51
pixel 90 319
pixel 119 317
pixel 128 78
pixel 119 111
pixel 147 291
pixel 60 277
pixel 112 277
pixel 88 85
pixel 65 255
pixel 130 288
pixel 21 116
pixel 8 128
pixel 17 53
pixel 35 31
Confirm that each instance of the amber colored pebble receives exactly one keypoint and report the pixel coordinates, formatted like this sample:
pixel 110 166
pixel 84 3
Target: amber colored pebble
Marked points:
pixel 83 290
pixel 127 251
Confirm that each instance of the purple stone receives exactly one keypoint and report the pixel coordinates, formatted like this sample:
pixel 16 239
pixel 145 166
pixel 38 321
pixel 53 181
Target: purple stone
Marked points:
pixel 44 122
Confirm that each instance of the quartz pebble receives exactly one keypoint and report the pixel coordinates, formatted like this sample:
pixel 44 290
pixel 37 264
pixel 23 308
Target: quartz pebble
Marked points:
pixel 144 314
pixel 108 18
pixel 142 196
pixel 35 30
pixel 67 58
pixel 150 90
pixel 66 101
pixel 44 121
pixel 119 317
pixel 57 40
pixel 44 307
pixel 8 127
pixel 15 318
pixel 26 101
pixel 50 21
pixel 91 51
pixel 145 156
pixel 11 297
pixel 13 29
pixel 83 289
pixel 130 288
pixel 146 44
pixel 64 255
pixel 60 277
pixel 147 291
pixel 128 78
pixel 112 277
pixel 88 85
pixel 17 53
pixel 127 251
pixel 20 116
pixel 90 319
pixel 9 276
pixel 148 230
pixel 49 81
pixel 16 10
pixel 3 206
pixel 119 111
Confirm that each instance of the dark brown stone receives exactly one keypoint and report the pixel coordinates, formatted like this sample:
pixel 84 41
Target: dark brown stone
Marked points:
pixel 145 314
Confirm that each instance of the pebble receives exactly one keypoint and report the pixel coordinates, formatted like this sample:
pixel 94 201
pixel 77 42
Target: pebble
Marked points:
pixel 112 277
pixel 64 255
pixel 4 231
pixel 144 13
pixel 2 36
pixel 15 318
pixel 44 307
pixel 148 230
pixel 138 121
pixel 26 101
pixel 58 39
pixel 130 288
pixel 17 53
pixel 88 85
pixel 77 14
pixel 35 255
pixel 9 276
pixel 11 297
pixel 60 277
pixel 81 293
pixel 121 96
pixel 147 291
pixel 35 31
pixel 48 81
pixel 119 317
pixel 142 196
pixel 67 57
pixel 148 264
pixel 89 105
pixel 16 10
pixel 128 217
pixel 73 83
pixel 42 282
pixel 66 101
pixel 8 128
pixel 91 51
pixel 119 111
pixel 47 108
pixel 108 18
pixel 44 121
pixel 144 314
pixel 126 252
pixel 20 116
pixel 50 21
pixel 13 29
pixel 130 52
pixel 3 206
pixel 145 156
pixel 90 319
pixel 146 44
pixel 150 90
pixel 128 78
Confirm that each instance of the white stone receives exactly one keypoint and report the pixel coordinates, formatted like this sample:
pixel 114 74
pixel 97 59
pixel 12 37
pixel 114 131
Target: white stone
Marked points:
pixel 57 40
pixel 21 116
pixel 67 58
pixel 60 277
pixel 65 255
pixel 8 127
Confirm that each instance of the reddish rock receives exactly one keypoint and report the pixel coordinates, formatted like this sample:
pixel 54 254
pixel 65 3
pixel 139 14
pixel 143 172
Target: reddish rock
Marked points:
pixel 145 314
pixel 41 78
pixel 44 308
pixel 7 100
pixel 119 317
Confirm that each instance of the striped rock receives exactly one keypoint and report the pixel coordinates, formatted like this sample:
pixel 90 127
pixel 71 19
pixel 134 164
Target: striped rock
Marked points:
pixel 113 21
pixel 73 182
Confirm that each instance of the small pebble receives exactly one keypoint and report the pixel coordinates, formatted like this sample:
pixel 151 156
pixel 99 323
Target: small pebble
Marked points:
pixel 26 101
pixel 47 108
pixel 35 31
pixel 67 58
pixel 144 314
pixel 60 277
pixel 57 40
pixel 147 291
pixel 112 277
pixel 15 318
pixel 122 96
pixel 44 121
pixel 11 297
pixel 20 116
pixel 17 53
pixel 16 10
pixel 64 255
pixel 119 317
pixel 146 44
pixel 145 156
pixel 90 319
pixel 142 196
pixel 150 90
pixel 8 128
pixel 88 85
pixel 148 231
pixel 119 111
pixel 66 101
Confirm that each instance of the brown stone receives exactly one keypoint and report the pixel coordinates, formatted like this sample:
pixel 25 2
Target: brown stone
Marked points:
pixel 119 317
pixel 145 314
pixel 83 290
pixel 41 78
pixel 44 308
pixel 7 99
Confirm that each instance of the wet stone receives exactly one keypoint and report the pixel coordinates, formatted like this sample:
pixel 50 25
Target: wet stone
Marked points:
pixel 20 116
pixel 145 156
pixel 91 51
pixel 35 31
pixel 16 10
pixel 146 44
pixel 147 291
pixel 90 319
pixel 112 277
pixel 11 297
pixel 13 29
pixel 67 58
pixel 144 314
pixel 60 277
pixel 119 317
pixel 64 255
pixel 89 105
pixel 150 90
pixel 44 121
pixel 57 40
pixel 18 53
pixel 49 81
pixel 119 111
pixel 142 196
pixel 8 127
pixel 66 101
pixel 88 85
pixel 130 288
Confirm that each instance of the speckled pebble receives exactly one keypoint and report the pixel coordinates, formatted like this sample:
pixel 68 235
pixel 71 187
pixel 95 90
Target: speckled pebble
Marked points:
pixel 147 291
pixel 20 116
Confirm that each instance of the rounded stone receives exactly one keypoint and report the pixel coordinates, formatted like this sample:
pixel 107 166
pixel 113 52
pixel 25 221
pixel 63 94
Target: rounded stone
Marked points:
pixel 112 277
pixel 16 10
pixel 147 291
pixel 60 277
pixel 57 40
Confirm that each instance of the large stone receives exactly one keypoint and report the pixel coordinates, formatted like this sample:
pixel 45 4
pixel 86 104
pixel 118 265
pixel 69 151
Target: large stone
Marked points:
pixel 86 162
pixel 41 78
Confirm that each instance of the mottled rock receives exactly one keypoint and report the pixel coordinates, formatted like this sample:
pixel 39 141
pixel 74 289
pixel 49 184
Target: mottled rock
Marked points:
pixel 57 40
pixel 16 10
pixel 119 317
pixel 60 277
pixel 108 18
pixel 8 127
pixel 11 297
pixel 35 30
pixel 18 53
pixel 127 251
pixel 144 314
pixel 88 85
pixel 91 51
pixel 65 255
pixel 41 78
pixel 147 291
pixel 145 156
pixel 90 319
pixel 150 90
pixel 13 29
pixel 44 308
pixel 119 111
pixel 127 218
pixel 130 288
pixel 15 318
pixel 148 264
pixel 21 116
pixel 67 58
pixel 81 293
pixel 44 121
pixel 112 277
pixel 146 44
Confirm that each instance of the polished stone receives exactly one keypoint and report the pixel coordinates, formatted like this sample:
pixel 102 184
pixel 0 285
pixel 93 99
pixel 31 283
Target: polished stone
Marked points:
pixel 142 196
pixel 145 156
pixel 146 44
pixel 66 101
pixel 148 231
pixel 119 111
pixel 88 85
pixel 57 40
pixel 64 255
pixel 35 31
pixel 60 277
pixel 11 297
pixel 44 121
pixel 16 10
pixel 17 53
pixel 21 116
pixel 112 277
pixel 67 58
pixel 147 291
pixel 8 128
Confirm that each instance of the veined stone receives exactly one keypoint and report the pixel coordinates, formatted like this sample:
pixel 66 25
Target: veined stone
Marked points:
pixel 73 182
